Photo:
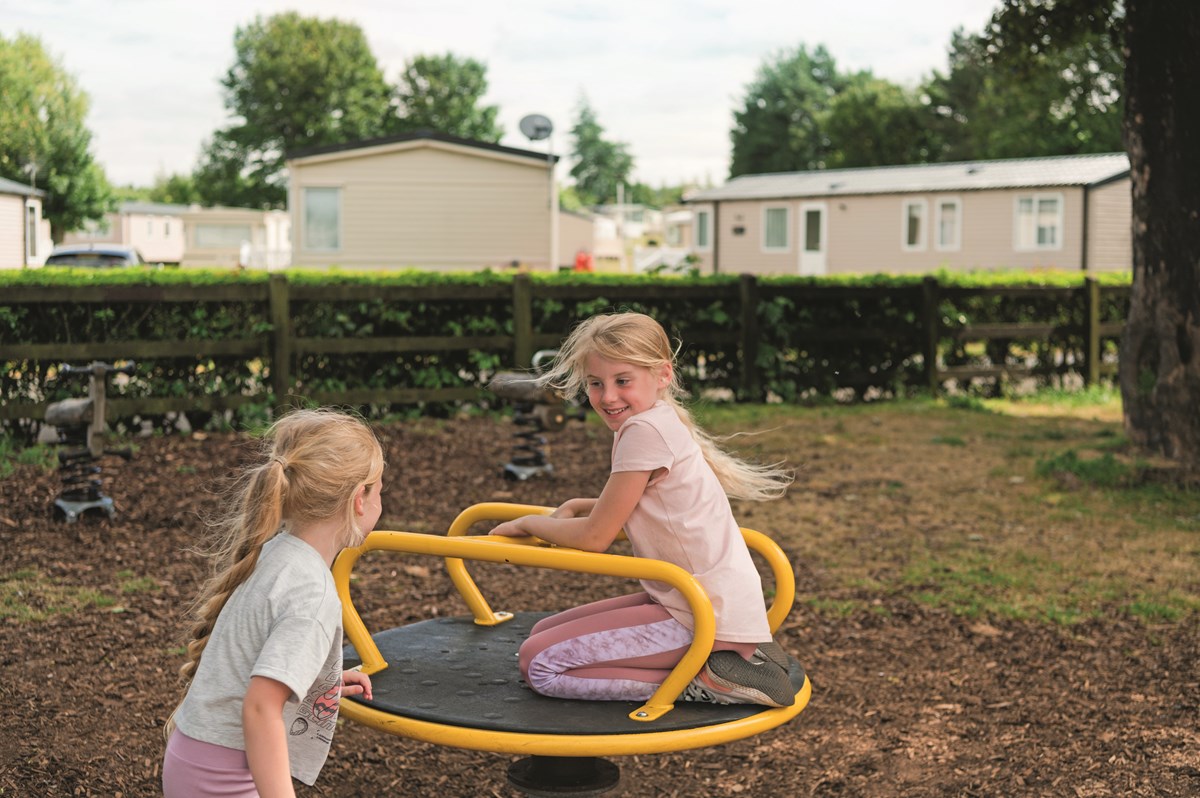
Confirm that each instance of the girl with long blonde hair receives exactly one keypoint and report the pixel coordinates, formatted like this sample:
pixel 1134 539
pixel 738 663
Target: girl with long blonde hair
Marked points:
pixel 264 661
pixel 669 489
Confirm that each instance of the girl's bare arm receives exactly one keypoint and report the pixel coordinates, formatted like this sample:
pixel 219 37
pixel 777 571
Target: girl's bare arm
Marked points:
pixel 592 532
pixel 266 740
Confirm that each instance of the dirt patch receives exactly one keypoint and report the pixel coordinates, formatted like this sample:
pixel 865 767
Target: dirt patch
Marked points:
pixel 908 700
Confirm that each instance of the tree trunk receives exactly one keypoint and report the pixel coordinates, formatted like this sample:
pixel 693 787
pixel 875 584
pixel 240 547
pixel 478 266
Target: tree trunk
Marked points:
pixel 1160 346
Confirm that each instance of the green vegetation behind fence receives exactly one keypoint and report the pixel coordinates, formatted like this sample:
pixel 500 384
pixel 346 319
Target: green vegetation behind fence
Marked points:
pixel 210 341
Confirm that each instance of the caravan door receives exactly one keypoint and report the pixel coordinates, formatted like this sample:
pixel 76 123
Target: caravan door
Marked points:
pixel 812 238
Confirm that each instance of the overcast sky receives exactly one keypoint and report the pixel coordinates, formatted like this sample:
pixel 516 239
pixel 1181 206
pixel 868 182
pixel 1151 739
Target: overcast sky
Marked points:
pixel 663 76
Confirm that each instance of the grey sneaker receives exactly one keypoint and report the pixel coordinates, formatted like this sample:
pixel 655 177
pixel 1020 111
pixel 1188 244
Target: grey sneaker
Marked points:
pixel 728 679
pixel 774 652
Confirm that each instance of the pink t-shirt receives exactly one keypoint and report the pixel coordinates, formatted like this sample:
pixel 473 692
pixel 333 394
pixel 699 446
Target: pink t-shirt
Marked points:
pixel 684 518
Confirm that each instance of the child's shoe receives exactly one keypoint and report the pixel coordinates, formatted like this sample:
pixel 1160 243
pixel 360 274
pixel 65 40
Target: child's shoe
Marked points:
pixel 728 679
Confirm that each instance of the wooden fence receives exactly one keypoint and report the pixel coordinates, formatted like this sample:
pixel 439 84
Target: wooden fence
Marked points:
pixel 279 347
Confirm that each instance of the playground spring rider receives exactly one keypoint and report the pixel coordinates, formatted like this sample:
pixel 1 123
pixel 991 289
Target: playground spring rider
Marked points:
pixel 537 409
pixel 81 428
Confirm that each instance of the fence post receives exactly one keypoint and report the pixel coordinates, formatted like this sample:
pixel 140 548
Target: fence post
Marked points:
pixel 748 298
pixel 522 299
pixel 1091 325
pixel 281 337
pixel 930 324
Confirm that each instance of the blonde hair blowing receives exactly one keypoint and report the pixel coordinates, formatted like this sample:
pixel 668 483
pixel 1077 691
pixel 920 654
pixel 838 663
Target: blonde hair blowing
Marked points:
pixel 639 340
pixel 313 462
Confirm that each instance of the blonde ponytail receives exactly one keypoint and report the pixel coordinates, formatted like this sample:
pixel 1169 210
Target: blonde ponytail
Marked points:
pixel 740 478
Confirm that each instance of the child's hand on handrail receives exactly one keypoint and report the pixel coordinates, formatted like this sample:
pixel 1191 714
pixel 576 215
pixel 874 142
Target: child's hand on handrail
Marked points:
pixel 574 508
pixel 510 529
pixel 571 508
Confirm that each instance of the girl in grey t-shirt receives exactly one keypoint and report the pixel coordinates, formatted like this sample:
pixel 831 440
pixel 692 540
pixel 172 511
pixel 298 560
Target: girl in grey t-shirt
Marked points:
pixel 265 655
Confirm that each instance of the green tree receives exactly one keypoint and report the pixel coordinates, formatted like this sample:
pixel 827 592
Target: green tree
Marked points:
pixel 660 197
pixel 1054 102
pixel 780 127
pixel 130 193
pixel 873 122
pixel 236 175
pixel 296 82
pixel 954 98
pixel 43 136
pixel 1160 345
pixel 600 165
pixel 443 94
pixel 568 198
pixel 174 189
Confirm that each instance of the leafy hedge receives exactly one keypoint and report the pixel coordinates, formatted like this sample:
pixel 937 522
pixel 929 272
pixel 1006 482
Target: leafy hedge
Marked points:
pixel 863 336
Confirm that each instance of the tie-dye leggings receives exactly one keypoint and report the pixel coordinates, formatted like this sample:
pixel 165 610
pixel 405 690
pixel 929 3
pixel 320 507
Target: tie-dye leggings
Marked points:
pixel 618 649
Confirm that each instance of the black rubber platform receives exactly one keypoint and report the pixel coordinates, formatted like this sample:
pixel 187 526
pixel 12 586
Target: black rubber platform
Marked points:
pixel 453 672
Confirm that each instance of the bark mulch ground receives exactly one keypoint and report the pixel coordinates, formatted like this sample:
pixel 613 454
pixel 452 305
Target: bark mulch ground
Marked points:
pixel 907 701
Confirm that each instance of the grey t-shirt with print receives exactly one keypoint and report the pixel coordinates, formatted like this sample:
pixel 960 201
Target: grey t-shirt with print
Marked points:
pixel 284 623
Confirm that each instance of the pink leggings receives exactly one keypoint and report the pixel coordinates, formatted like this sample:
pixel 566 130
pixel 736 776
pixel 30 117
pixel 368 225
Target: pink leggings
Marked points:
pixel 618 649
pixel 194 769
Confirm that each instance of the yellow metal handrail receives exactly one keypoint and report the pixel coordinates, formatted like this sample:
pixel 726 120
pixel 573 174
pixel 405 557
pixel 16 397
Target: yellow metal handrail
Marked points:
pixel 457 546
pixel 781 569
pixel 503 550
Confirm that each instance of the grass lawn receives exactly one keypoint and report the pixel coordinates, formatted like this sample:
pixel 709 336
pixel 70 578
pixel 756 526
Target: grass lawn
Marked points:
pixel 1030 509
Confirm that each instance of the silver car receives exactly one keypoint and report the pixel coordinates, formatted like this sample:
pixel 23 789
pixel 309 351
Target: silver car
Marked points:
pixel 96 256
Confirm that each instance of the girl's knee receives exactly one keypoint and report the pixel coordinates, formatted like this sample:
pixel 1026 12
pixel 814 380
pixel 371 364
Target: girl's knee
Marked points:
pixel 525 655
pixel 539 675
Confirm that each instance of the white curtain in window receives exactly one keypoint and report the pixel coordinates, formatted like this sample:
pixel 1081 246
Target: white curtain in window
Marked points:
pixel 948 225
pixel 1039 222
pixel 702 229
pixel 322 218
pixel 221 236
pixel 775 234
pixel 1047 222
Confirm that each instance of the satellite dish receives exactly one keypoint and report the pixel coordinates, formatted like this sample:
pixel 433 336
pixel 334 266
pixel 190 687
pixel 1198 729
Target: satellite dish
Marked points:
pixel 536 127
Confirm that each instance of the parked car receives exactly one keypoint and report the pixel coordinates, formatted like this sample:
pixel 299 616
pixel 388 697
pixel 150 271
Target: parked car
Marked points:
pixel 99 256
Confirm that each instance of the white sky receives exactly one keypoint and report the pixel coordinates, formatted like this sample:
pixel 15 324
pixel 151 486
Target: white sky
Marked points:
pixel 663 76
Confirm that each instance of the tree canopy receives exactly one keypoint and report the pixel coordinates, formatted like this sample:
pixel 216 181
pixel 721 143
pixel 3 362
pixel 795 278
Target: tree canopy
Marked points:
pixel 444 94
pixel 299 82
pixel 780 127
pixel 175 189
pixel 600 164
pixel 874 122
pixel 43 136
pixel 296 82
pixel 802 113
pixel 1060 101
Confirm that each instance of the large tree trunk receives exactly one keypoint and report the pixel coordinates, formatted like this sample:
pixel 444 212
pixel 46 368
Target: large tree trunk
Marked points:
pixel 1160 347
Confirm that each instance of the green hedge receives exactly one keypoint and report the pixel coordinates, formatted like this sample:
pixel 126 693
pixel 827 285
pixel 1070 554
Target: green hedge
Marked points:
pixel 222 340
